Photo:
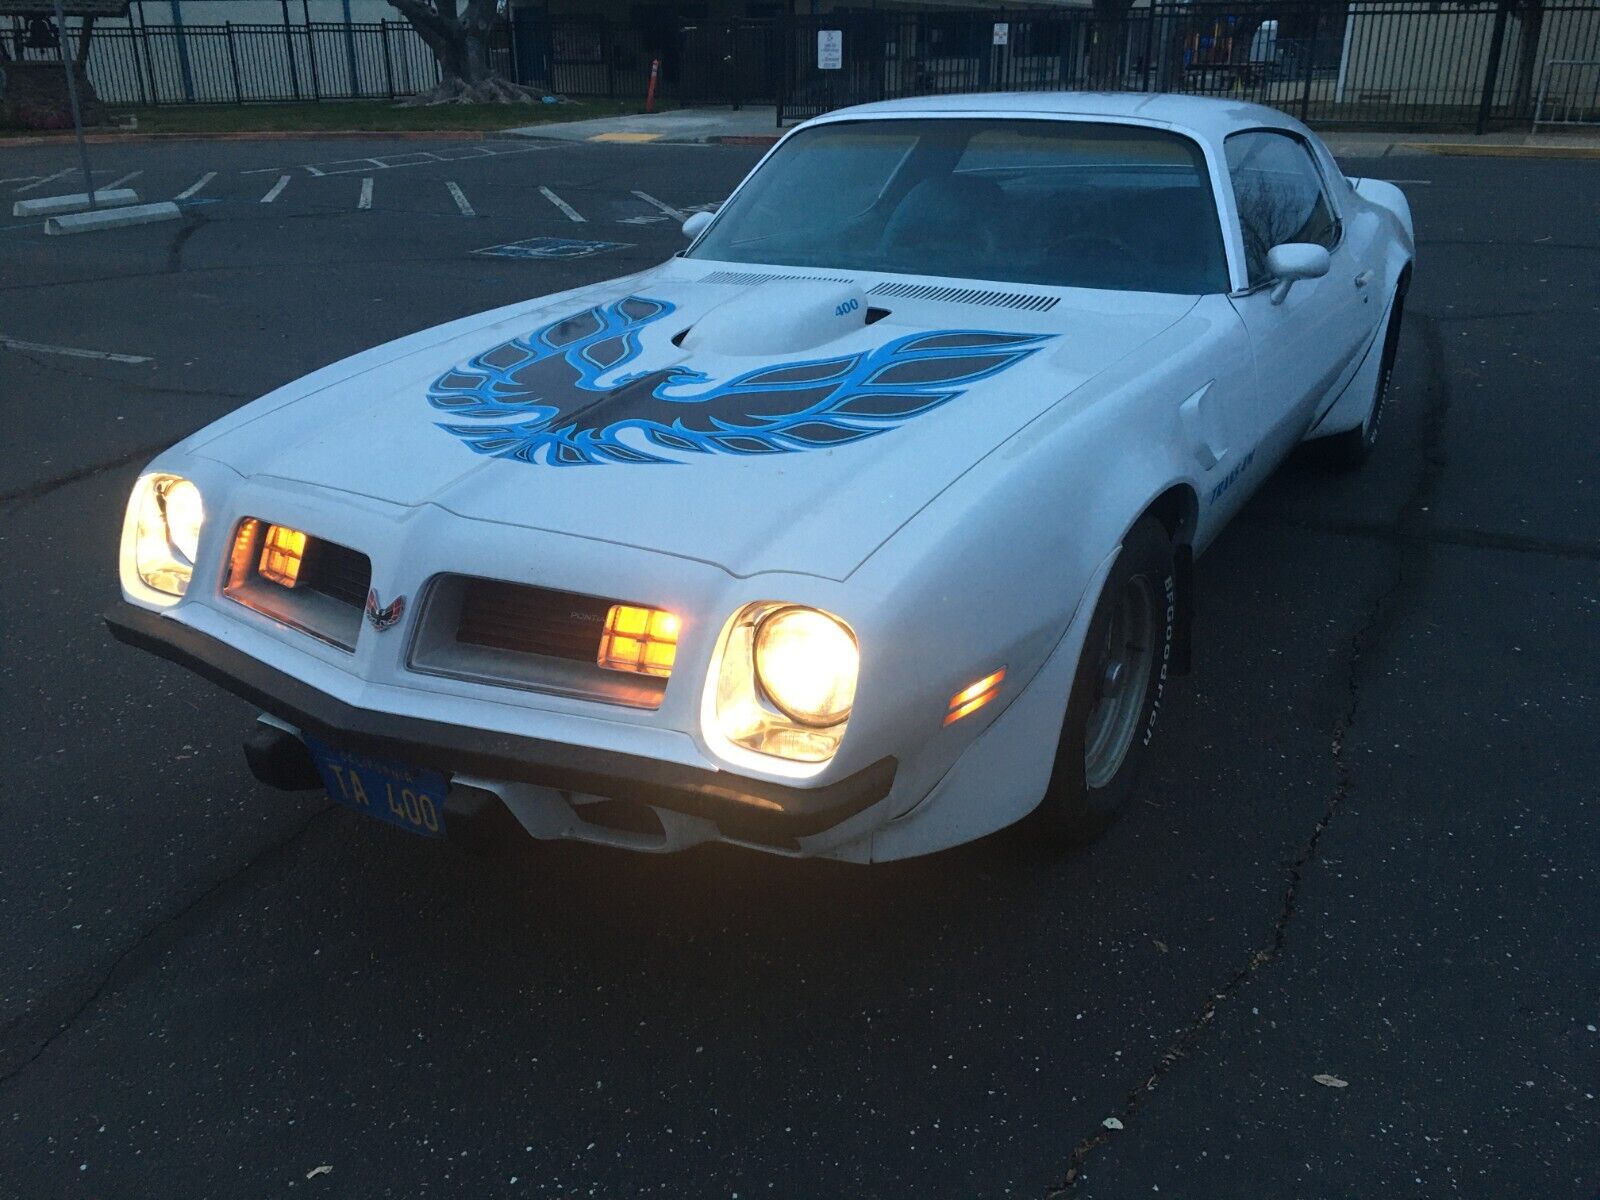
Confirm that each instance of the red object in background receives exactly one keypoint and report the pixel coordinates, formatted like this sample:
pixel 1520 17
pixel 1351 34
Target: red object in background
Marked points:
pixel 650 96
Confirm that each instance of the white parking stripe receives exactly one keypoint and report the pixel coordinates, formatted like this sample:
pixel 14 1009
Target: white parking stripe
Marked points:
pixel 272 194
pixel 196 185
pixel 572 213
pixel 69 351
pixel 116 183
pixel 666 208
pixel 461 200
pixel 366 193
pixel 28 187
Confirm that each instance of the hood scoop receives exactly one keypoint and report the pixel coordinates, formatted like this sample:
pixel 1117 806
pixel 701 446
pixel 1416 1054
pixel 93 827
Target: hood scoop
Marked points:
pixel 779 318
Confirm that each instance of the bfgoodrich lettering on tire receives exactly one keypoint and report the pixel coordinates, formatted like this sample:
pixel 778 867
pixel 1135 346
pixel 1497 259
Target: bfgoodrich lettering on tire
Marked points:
pixel 1117 693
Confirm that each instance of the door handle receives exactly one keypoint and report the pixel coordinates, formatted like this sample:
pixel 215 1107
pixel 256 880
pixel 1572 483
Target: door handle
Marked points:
pixel 1363 279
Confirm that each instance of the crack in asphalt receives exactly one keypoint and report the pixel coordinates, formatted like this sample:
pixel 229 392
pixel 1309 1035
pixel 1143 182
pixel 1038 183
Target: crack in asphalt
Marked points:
pixel 43 1030
pixel 1407 572
pixel 45 486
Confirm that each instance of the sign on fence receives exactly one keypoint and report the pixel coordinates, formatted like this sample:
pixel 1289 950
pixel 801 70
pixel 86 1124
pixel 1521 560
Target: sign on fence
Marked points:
pixel 830 49
pixel 1002 32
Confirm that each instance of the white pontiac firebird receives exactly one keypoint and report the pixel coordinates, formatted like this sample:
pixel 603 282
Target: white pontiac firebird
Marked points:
pixel 863 527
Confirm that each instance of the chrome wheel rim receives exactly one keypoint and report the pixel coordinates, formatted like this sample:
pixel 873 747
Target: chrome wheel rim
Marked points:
pixel 1122 672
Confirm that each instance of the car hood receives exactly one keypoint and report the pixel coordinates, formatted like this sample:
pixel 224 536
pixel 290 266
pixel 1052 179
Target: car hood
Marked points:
pixel 757 420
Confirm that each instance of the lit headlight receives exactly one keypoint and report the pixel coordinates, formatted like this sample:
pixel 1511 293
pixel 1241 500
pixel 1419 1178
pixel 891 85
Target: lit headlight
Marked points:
pixel 783 683
pixel 807 662
pixel 166 515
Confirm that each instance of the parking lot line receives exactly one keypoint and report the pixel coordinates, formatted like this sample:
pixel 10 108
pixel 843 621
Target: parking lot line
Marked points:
pixel 366 193
pixel 666 208
pixel 572 213
pixel 69 351
pixel 196 185
pixel 272 193
pixel 28 187
pixel 461 200
pixel 116 183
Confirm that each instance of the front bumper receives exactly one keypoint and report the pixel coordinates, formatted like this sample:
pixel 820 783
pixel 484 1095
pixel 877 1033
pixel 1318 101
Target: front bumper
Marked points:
pixel 742 809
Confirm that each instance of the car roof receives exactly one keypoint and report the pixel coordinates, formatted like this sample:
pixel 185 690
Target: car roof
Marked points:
pixel 1207 117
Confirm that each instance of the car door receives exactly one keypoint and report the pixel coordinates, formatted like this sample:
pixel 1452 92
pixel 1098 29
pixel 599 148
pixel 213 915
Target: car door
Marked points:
pixel 1304 343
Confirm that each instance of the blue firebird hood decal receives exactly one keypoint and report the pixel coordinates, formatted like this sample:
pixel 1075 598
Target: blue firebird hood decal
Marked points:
pixel 539 398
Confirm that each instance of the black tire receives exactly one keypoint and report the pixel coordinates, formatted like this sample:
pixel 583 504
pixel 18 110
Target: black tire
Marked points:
pixel 1348 450
pixel 1078 808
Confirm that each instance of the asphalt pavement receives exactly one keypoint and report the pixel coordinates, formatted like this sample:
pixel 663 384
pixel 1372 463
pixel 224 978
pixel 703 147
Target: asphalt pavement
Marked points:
pixel 1368 850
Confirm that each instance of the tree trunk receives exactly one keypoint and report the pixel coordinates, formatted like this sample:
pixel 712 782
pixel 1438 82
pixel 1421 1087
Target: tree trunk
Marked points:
pixel 1530 19
pixel 85 32
pixel 1108 34
pixel 460 45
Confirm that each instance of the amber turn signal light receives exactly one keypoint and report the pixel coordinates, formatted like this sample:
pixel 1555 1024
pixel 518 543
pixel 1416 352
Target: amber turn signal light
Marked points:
pixel 282 551
pixel 639 639
pixel 974 696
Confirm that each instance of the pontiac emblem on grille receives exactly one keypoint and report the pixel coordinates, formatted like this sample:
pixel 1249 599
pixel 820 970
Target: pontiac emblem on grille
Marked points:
pixel 384 618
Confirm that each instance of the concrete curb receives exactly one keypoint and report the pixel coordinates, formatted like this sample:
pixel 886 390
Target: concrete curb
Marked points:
pixel 51 206
pixel 1473 150
pixel 265 135
pixel 112 218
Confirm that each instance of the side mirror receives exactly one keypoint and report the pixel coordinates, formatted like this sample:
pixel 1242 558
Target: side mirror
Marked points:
pixel 695 225
pixel 1292 261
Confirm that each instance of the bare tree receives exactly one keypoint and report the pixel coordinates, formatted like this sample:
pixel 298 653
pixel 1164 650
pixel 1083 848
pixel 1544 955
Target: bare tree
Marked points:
pixel 458 35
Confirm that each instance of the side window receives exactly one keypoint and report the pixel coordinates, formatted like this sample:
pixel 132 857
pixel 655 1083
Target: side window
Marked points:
pixel 1279 194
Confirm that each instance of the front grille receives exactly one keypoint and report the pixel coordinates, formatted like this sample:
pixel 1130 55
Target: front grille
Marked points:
pixel 322 592
pixel 336 571
pixel 521 636
pixel 532 620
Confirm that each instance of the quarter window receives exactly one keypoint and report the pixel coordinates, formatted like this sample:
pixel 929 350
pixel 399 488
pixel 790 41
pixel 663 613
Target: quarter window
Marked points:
pixel 1280 196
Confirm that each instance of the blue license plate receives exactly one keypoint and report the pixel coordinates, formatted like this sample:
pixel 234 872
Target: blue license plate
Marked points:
pixel 405 796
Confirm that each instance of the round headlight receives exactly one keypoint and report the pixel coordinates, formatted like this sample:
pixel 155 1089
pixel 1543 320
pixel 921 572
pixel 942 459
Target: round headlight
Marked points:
pixel 807 664
pixel 181 505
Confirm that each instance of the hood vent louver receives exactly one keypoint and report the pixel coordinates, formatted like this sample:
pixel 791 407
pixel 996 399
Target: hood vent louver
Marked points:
pixel 750 278
pixel 1025 301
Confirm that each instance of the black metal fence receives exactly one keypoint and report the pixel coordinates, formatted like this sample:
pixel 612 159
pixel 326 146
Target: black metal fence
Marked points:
pixel 236 63
pixel 1371 62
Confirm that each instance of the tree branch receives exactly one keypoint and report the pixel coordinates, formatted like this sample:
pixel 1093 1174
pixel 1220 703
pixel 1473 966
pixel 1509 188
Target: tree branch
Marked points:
pixel 426 20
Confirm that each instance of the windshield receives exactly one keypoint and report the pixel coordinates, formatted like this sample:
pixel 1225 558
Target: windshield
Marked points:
pixel 1062 203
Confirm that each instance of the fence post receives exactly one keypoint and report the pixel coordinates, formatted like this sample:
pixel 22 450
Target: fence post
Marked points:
pixel 141 59
pixel 1149 43
pixel 233 63
pixel 288 44
pixel 350 51
pixel 183 53
pixel 610 50
pixel 1311 62
pixel 144 54
pixel 1491 72
pixel 388 64
pixel 786 58
pixel 311 53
